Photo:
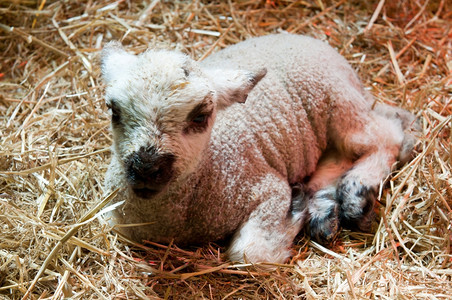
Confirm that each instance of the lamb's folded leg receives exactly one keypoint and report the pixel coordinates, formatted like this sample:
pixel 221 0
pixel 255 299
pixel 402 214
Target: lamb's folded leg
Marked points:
pixel 357 190
pixel 377 142
pixel 271 228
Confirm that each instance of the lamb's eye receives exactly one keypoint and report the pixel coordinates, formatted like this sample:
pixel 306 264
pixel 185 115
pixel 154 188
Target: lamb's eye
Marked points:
pixel 198 123
pixel 200 119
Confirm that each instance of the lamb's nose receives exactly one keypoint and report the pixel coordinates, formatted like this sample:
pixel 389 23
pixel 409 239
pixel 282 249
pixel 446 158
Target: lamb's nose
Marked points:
pixel 149 171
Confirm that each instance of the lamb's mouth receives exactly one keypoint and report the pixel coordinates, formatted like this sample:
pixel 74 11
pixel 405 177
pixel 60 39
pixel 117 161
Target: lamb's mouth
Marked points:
pixel 147 190
pixel 146 193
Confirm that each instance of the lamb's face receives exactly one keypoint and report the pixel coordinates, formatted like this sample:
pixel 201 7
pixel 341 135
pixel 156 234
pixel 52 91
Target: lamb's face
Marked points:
pixel 163 107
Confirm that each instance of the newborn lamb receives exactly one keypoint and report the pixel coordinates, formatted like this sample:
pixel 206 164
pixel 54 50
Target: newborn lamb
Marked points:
pixel 251 144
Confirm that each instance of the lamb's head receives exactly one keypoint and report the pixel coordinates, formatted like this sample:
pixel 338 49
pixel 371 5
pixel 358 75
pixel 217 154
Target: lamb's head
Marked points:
pixel 163 106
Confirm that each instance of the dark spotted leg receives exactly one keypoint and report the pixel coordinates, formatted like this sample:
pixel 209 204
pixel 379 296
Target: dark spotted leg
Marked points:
pixel 321 196
pixel 324 215
pixel 358 188
pixel 320 209
pixel 356 203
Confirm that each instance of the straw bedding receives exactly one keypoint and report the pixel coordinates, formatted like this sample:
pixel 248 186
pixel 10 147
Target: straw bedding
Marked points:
pixel 55 137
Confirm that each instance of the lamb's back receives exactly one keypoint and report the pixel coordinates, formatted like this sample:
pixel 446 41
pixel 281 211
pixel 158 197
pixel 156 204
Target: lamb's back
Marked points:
pixel 284 120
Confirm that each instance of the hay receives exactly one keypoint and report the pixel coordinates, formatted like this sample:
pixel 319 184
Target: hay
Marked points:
pixel 54 143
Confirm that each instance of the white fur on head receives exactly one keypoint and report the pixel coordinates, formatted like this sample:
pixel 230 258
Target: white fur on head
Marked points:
pixel 233 85
pixel 115 61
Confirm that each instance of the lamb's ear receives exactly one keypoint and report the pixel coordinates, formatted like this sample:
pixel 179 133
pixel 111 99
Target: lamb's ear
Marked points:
pixel 234 85
pixel 115 61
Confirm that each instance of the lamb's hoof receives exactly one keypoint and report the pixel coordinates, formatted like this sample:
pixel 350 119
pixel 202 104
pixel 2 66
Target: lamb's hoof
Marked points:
pixel 323 230
pixel 366 223
pixel 324 216
pixel 356 205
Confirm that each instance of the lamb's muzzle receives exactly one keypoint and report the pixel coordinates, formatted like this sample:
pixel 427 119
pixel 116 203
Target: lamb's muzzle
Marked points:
pixel 148 171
